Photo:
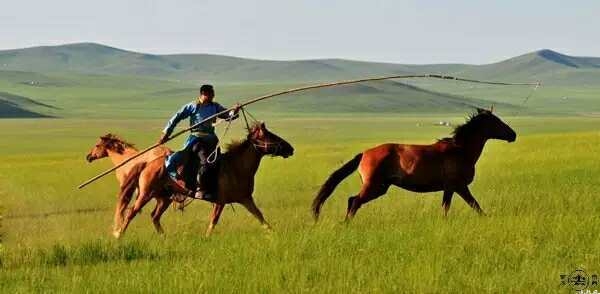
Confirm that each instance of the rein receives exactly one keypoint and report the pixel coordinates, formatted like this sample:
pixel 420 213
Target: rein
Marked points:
pixel 213 156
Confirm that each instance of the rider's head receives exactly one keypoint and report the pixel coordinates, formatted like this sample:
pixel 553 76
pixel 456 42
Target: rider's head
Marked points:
pixel 207 93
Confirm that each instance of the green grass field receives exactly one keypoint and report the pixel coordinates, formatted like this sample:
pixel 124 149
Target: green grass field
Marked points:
pixel 540 193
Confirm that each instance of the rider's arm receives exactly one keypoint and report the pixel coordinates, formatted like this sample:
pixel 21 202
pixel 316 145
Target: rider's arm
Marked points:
pixel 228 116
pixel 183 113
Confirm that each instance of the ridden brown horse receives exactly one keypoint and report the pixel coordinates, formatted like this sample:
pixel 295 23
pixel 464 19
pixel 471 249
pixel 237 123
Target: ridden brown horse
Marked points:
pixel 118 150
pixel 236 177
pixel 448 165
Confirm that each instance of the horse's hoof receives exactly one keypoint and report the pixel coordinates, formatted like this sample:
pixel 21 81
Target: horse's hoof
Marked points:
pixel 208 231
pixel 117 234
pixel 268 228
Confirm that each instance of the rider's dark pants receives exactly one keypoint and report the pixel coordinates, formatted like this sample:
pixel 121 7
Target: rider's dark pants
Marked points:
pixel 203 147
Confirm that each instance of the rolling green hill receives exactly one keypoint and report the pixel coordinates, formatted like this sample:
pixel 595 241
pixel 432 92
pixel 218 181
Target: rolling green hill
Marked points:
pixel 94 80
pixel 548 66
pixel 14 106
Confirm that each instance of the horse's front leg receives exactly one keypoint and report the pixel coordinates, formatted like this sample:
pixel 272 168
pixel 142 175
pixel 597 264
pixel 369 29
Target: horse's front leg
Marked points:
pixel 117 218
pixel 253 209
pixel 214 217
pixel 143 198
pixel 465 193
pixel 123 199
pixel 162 203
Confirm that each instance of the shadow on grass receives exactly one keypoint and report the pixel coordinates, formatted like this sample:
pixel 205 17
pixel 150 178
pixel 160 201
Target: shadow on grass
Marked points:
pixel 60 212
pixel 15 106
pixel 90 253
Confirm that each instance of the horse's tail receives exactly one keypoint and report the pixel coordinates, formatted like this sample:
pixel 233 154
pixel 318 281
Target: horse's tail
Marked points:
pixel 334 179
pixel 131 181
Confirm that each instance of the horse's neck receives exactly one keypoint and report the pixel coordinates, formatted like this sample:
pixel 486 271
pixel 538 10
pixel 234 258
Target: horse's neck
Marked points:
pixel 473 146
pixel 247 161
pixel 117 158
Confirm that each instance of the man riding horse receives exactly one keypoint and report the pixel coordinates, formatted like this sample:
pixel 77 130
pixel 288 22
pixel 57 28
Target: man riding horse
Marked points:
pixel 202 142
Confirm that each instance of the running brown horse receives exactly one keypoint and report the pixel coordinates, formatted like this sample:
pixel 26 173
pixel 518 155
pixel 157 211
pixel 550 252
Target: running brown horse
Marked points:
pixel 236 177
pixel 118 150
pixel 447 165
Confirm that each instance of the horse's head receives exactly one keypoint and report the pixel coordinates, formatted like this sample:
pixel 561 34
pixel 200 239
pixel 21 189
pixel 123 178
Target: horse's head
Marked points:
pixel 268 143
pixel 108 142
pixel 493 127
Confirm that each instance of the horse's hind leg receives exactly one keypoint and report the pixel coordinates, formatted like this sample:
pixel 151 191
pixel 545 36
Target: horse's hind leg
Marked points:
pixel 465 193
pixel 368 192
pixel 251 206
pixel 214 217
pixel 162 203
pixel 350 203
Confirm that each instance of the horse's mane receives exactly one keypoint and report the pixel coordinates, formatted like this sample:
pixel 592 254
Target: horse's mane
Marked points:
pixel 238 146
pixel 114 142
pixel 461 132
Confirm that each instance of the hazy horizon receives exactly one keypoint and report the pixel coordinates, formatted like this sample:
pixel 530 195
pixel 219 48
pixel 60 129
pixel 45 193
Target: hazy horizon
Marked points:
pixel 407 32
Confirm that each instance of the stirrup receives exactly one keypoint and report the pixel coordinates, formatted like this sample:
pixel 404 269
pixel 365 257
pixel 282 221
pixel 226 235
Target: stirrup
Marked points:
pixel 207 196
pixel 178 197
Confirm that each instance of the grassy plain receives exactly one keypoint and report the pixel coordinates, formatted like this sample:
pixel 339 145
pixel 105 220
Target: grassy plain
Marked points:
pixel 540 193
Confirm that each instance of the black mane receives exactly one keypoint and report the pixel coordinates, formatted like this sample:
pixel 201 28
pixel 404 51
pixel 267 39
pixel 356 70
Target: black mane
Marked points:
pixel 461 132
pixel 236 147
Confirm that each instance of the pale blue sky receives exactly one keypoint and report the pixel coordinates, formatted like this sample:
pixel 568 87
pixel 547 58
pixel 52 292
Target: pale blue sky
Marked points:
pixel 393 31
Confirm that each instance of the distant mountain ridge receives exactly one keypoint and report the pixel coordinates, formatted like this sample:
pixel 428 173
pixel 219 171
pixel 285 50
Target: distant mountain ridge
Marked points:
pixel 92 58
pixel 88 79
pixel 577 62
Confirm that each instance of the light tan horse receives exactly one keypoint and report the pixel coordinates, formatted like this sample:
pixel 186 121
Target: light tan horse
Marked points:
pixel 118 150
pixel 236 178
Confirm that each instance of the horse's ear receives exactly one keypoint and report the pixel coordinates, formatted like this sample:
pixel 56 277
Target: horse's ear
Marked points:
pixel 492 108
pixel 262 125
pixel 256 129
pixel 480 110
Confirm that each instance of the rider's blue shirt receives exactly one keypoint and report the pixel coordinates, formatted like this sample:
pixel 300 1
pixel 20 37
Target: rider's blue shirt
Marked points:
pixel 197 112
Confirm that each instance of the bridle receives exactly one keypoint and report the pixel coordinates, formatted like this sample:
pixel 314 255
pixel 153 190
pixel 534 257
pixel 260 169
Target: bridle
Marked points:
pixel 258 144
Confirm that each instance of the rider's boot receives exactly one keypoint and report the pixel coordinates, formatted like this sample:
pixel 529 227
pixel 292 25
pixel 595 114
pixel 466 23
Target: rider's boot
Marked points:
pixel 206 185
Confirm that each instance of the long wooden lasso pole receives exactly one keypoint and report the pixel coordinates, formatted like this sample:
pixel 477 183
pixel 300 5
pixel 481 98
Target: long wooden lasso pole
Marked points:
pixel 293 90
